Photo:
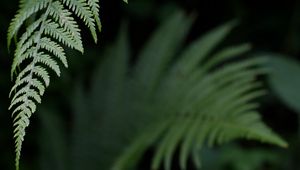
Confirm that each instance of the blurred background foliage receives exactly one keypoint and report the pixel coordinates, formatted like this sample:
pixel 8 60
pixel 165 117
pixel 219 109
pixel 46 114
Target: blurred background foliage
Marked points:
pixel 273 29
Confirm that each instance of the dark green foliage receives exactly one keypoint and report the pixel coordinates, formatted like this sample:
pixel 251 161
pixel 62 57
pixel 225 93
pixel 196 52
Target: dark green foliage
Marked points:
pixel 187 102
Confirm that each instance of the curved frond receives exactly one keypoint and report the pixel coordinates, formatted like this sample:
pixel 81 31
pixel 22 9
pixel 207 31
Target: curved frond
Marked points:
pixel 40 47
pixel 169 104
pixel 204 98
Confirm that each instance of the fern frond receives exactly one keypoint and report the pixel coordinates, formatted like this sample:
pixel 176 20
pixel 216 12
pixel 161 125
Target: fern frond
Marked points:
pixel 27 8
pixel 207 117
pixel 54 30
pixel 212 105
pixel 41 46
pixel 202 99
pixel 94 6
pixel 64 18
pixel 82 10
pixel 56 49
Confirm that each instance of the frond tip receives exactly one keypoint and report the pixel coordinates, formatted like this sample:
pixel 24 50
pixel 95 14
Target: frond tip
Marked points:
pixel 40 48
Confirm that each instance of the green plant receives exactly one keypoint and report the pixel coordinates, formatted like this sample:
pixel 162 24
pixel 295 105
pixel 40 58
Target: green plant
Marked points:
pixel 167 102
pixel 49 25
pixel 199 99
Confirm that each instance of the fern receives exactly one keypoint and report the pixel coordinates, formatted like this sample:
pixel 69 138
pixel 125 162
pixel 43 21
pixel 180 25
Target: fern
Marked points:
pixel 40 48
pixel 166 102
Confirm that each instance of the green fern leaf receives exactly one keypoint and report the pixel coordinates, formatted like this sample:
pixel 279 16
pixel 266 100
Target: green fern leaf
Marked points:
pixel 95 10
pixel 63 17
pixel 40 46
pixel 82 9
pixel 56 49
pixel 27 8
pixel 198 101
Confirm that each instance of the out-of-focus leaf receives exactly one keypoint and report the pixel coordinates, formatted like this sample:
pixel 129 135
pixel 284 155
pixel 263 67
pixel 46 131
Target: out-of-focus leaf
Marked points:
pixel 285 79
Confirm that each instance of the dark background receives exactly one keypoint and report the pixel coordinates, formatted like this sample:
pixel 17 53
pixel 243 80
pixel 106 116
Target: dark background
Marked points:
pixel 267 25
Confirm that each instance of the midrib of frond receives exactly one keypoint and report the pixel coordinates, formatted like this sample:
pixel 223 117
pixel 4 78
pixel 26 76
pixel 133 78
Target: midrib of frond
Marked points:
pixel 25 118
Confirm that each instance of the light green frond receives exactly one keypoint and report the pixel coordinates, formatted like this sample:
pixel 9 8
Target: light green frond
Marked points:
pixel 18 83
pixel 82 10
pixel 34 95
pixel 50 27
pixel 40 88
pixel 30 104
pixel 23 73
pixel 28 34
pixel 30 93
pixel 20 125
pixel 94 6
pixel 27 8
pixel 24 90
pixel 20 58
pixel 48 61
pixel 54 48
pixel 42 73
pixel 16 99
pixel 66 21
pixel 23 116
